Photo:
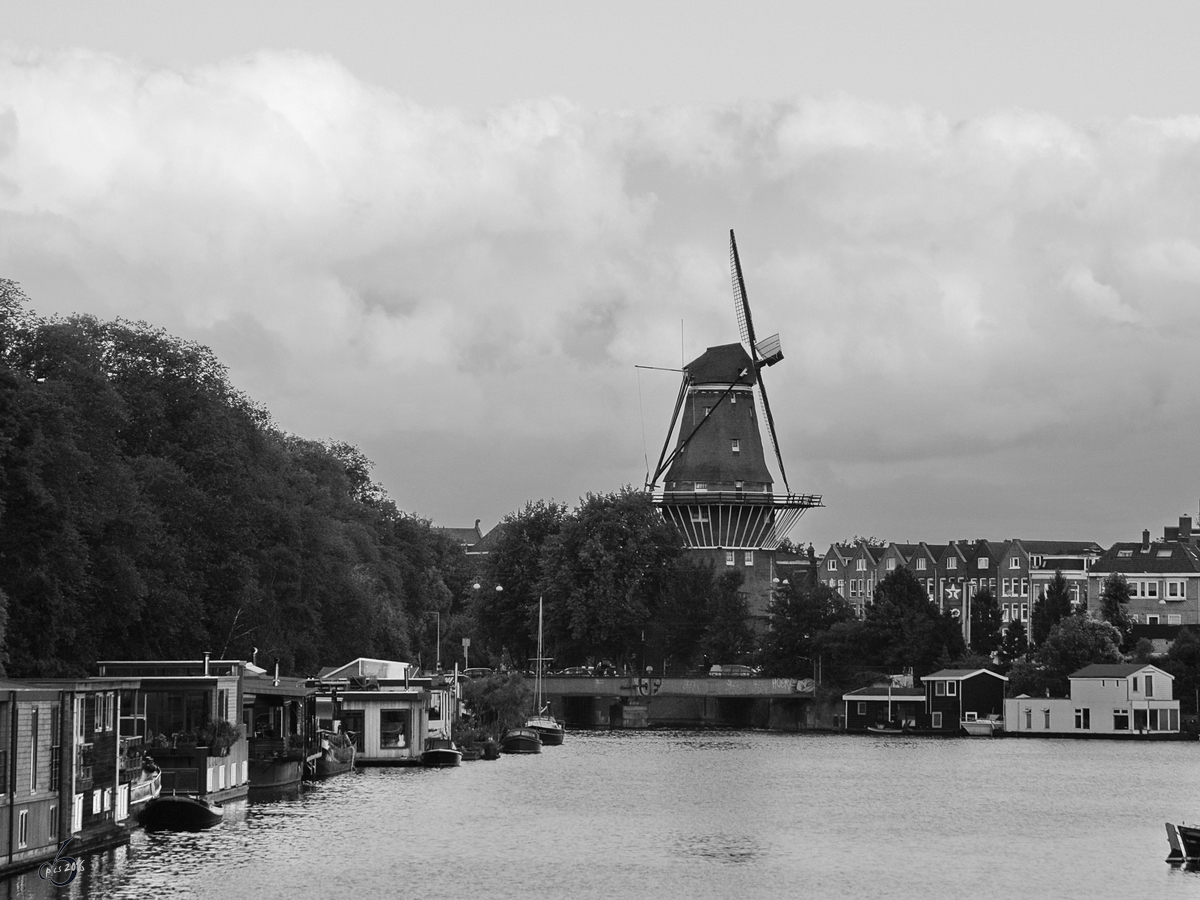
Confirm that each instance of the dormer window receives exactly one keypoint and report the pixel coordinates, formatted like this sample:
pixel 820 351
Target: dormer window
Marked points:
pixel 952 562
pixel 1036 562
pixel 1124 554
pixel 1164 554
pixel 736 445
pixel 982 563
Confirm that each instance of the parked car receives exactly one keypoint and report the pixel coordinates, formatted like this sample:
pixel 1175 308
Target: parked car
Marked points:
pixel 576 670
pixel 731 671
pixel 480 672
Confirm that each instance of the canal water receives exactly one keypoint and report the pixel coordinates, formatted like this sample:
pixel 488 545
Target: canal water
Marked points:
pixel 698 814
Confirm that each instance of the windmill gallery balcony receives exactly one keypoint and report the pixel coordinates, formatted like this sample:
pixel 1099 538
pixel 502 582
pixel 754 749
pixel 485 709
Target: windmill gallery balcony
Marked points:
pixel 733 519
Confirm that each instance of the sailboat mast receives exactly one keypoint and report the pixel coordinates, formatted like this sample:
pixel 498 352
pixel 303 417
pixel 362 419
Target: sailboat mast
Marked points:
pixel 539 665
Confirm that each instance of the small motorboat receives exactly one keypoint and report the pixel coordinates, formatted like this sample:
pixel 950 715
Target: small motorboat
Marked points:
pixel 180 812
pixel 440 753
pixel 471 752
pixel 1185 843
pixel 985 727
pixel 520 740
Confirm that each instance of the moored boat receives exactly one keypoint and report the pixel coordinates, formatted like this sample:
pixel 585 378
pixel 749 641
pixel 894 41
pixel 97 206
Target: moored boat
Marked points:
pixel 982 727
pixel 549 729
pixel 491 749
pixel 335 756
pixel 1184 841
pixel 440 753
pixel 471 753
pixel 520 740
pixel 180 812
pixel 144 787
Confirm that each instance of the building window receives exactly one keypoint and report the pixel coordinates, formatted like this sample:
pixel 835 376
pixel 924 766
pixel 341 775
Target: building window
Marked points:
pixel 1149 685
pixel 982 562
pixel 939 689
pixel 738 485
pixel 1083 719
pixel 921 564
pixel 1174 619
pixel 1014 562
pixel 33 751
pixel 891 565
pixel 735 445
pixel 1151 620
pixel 1024 587
pixel 1029 720
pixel 699 516
pixel 1151 588
pixel 1046 719
pixel 701 486
pixel 729 558
pixel 862 707
pixel 1005 587
pixel 936 720
pixel 749 557
pixel 951 688
pixel 23 829
pixel 831 565
pixel 1120 720
pixel 1164 554
pixel 393 728
pixel 860 565
pixel 1035 562
pixel 1124 554
pixel 952 562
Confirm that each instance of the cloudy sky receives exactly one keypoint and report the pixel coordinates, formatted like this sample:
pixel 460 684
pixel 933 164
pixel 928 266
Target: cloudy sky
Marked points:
pixel 447 233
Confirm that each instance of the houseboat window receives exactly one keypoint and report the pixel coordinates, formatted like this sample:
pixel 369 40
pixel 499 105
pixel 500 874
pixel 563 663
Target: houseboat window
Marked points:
pixel 1083 719
pixel 1029 719
pixel 55 750
pixel 862 707
pixel 23 828
pixel 393 729
pixel 1046 717
pixel 33 751
pixel 1149 685
pixel 53 835
pixel 1120 720
pixel 951 688
pixel 1135 682
pixel 936 720
pixel 939 689
pixel 176 712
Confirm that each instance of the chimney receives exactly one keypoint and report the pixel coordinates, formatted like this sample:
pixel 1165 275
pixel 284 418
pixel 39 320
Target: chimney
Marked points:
pixel 1185 529
pixel 1146 541
pixel 206 656
pixel 276 673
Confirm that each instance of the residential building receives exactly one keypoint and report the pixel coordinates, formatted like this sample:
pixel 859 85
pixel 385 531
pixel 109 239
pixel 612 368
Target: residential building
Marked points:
pixel 953 696
pixel 1112 700
pixel 1163 578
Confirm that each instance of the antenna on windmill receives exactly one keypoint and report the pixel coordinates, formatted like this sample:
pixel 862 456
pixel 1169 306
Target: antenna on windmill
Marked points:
pixel 764 353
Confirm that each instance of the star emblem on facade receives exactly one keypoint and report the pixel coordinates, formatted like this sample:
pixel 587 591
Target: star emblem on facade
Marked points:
pixel 952 592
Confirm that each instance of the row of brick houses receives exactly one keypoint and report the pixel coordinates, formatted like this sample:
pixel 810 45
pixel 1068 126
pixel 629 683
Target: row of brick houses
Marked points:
pixel 1164 575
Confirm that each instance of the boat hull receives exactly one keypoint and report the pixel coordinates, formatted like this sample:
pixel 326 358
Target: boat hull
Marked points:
pixel 440 759
pixel 336 757
pixel 146 788
pixel 1184 841
pixel 981 727
pixel 273 773
pixel 549 731
pixel 180 812
pixel 520 740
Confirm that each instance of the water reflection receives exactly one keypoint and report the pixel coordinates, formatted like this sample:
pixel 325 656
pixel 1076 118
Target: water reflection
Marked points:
pixel 695 815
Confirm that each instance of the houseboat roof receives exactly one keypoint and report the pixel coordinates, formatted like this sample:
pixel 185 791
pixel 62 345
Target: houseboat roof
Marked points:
pixel 878 692
pixel 267 686
pixel 1116 670
pixel 960 675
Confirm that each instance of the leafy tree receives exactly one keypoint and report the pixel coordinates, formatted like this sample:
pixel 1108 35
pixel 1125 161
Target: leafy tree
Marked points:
pixel 498 702
pixel 1073 643
pixel 728 636
pixel 606 572
pixel 1114 603
pixel 1183 661
pixel 1051 607
pixel 1015 644
pixel 903 627
pixel 986 622
pixel 676 634
pixel 800 613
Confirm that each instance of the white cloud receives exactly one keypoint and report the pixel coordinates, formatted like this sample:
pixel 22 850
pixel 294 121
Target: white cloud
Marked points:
pixel 376 270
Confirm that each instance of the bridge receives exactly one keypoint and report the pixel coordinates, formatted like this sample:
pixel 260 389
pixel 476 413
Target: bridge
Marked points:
pixel 665 700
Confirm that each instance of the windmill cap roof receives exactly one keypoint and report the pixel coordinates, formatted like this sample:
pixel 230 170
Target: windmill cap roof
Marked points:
pixel 722 365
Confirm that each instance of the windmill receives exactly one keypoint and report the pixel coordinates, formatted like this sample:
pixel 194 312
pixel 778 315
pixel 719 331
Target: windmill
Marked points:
pixel 716 487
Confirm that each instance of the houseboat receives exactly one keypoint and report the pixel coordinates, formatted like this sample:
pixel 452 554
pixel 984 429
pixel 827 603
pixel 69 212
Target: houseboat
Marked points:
pixel 276 715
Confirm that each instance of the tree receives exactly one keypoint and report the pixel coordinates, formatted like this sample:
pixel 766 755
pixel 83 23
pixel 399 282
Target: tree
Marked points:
pixel 903 627
pixel 1114 603
pixel 799 615
pixel 1073 643
pixel 1051 607
pixel 986 622
pixel 1183 661
pixel 728 637
pixel 1015 644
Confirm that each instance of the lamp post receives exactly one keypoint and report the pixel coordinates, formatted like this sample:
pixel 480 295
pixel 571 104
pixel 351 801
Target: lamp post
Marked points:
pixel 466 641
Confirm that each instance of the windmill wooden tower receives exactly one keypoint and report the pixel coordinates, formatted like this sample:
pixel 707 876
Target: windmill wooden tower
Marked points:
pixel 716 487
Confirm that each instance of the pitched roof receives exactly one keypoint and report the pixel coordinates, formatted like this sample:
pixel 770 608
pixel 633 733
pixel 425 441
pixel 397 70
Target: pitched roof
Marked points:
pixel 468 537
pixel 1060 548
pixel 1165 557
pixel 1115 670
pixel 959 674
pixel 881 693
